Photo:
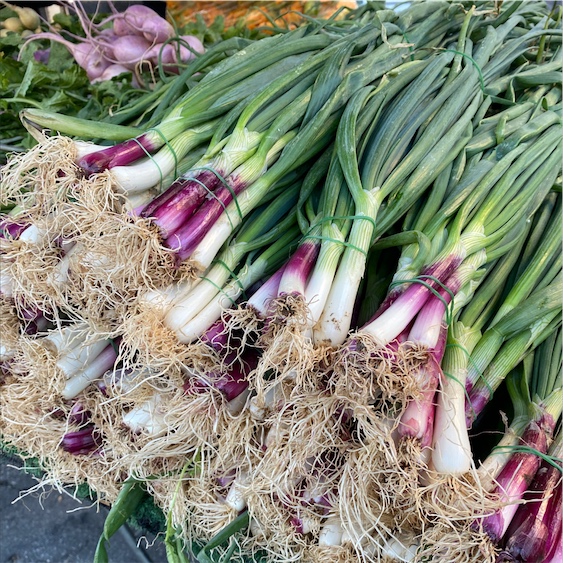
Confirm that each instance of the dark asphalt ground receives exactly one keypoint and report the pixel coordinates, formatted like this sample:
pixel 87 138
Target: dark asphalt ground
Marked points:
pixel 46 527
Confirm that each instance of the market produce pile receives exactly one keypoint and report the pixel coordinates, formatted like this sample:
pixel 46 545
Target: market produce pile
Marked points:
pixel 294 304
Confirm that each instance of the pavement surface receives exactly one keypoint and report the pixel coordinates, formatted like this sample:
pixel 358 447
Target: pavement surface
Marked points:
pixel 49 527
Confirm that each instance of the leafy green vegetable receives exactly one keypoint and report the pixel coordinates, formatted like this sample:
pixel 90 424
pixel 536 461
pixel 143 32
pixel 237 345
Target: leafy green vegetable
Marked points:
pixel 57 85
pixel 122 509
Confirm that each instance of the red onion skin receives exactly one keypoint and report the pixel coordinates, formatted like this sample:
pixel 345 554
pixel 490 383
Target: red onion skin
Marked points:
pixel 556 556
pixel 535 528
pixel 81 442
pixel 418 292
pixel 514 480
pixel 121 154
pixel 12 228
pixel 185 239
pixel 178 204
pixel 79 415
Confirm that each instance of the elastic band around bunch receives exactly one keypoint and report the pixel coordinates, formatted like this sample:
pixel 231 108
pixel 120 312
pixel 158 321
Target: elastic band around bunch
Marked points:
pixel 167 143
pixel 151 158
pixel 219 289
pixel 481 375
pixel 474 62
pixel 420 280
pixel 467 398
pixel 232 274
pixel 554 461
pixel 226 184
pixel 342 242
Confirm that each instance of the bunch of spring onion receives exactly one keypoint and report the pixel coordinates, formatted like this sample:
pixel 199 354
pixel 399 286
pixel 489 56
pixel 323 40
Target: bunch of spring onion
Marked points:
pixel 169 215
pixel 509 469
pixel 88 205
pixel 346 228
pixel 535 529
pixel 47 173
pixel 481 231
pixel 451 450
pixel 450 446
pixel 61 432
pixel 189 222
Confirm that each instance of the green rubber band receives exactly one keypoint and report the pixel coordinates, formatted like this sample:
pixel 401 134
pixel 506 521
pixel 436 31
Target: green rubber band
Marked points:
pixel 431 289
pixel 223 205
pixel 226 184
pixel 233 275
pixel 472 362
pixel 167 143
pixel 554 461
pixel 342 242
pixel 151 158
pixel 219 289
pixel 352 217
pixel 474 62
pixel 450 306
pixel 465 392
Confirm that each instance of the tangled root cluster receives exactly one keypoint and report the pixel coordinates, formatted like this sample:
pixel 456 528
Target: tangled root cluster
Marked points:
pixel 308 449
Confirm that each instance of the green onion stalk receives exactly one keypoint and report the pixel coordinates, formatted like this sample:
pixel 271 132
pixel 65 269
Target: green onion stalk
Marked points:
pixel 536 395
pixel 199 104
pixel 347 218
pixel 535 530
pixel 75 358
pixel 451 452
pixel 507 341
